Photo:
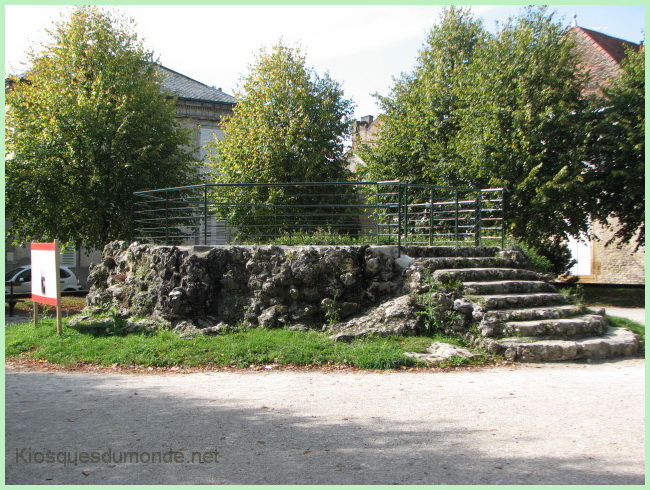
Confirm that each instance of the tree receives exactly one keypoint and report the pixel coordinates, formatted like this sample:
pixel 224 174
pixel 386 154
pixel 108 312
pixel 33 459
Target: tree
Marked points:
pixel 503 110
pixel 289 126
pixel 87 126
pixel 616 151
pixel 416 141
pixel 523 127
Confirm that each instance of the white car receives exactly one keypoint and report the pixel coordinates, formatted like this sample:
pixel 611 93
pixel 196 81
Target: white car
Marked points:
pixel 22 279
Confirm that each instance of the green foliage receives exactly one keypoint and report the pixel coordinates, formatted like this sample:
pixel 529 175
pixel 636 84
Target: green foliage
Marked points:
pixel 558 253
pixel 445 284
pixel 616 151
pixel 534 260
pixel 576 293
pixel 523 128
pixel 437 314
pixel 549 256
pixel 332 311
pixel 420 118
pixel 87 126
pixel 458 361
pixel 503 110
pixel 289 125
pixel 240 346
pixel 437 318
pixel 319 237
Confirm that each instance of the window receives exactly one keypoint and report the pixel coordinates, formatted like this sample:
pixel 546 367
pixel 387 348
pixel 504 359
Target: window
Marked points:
pixel 207 137
pixel 69 257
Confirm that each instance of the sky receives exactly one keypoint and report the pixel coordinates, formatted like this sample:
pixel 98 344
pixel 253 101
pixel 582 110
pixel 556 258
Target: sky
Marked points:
pixel 363 47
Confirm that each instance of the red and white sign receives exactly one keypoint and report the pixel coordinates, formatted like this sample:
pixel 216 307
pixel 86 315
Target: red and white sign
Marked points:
pixel 45 273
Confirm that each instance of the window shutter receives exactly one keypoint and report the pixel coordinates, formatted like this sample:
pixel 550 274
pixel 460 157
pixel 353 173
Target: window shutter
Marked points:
pixel 69 257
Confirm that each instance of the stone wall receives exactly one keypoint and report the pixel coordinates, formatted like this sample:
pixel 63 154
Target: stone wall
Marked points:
pixel 614 264
pixel 265 286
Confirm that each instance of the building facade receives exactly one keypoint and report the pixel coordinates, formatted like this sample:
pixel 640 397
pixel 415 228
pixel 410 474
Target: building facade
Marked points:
pixel 199 107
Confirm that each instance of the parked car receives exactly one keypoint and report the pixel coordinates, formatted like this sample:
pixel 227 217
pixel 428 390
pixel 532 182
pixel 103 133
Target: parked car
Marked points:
pixel 22 279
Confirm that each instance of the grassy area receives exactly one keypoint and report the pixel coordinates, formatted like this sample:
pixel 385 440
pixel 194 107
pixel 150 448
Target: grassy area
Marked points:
pixel 70 305
pixel 244 348
pixel 619 322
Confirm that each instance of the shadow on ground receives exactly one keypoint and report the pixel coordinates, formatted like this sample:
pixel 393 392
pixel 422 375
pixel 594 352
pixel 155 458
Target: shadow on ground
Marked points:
pixel 262 442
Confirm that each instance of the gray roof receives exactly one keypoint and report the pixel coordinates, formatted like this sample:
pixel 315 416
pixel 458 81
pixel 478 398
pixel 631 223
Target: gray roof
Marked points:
pixel 186 88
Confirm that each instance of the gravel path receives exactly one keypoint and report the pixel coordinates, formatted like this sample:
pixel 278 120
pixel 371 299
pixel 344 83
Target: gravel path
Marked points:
pixel 530 424
pixel 634 314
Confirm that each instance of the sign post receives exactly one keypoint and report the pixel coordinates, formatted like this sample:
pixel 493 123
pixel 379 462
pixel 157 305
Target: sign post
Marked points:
pixel 46 285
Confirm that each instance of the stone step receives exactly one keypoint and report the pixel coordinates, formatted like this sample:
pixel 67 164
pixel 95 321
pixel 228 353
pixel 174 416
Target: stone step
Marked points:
pixel 616 342
pixel 416 251
pixel 540 313
pixel 487 274
pixel 508 287
pixel 578 326
pixel 435 263
pixel 525 319
pixel 519 301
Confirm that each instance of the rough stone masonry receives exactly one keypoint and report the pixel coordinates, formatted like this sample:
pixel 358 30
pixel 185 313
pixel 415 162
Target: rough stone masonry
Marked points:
pixel 268 286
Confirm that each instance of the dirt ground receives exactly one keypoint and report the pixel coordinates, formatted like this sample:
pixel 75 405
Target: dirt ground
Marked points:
pixel 567 423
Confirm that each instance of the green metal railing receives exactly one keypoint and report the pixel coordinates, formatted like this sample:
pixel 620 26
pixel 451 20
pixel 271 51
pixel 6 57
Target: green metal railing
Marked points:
pixel 391 213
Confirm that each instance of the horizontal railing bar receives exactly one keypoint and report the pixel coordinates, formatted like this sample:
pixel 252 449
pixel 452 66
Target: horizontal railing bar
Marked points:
pixel 316 184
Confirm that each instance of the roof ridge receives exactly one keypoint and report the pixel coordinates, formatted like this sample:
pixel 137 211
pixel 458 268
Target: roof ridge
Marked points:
pixel 607 35
pixel 189 78
pixel 188 88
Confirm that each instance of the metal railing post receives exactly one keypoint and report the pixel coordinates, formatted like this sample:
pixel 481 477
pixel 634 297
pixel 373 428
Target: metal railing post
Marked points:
pixel 276 231
pixel 406 211
pixel 205 214
pixel 166 217
pixel 399 219
pixel 431 219
pixel 477 217
pixel 456 218
pixel 503 218
pixel 376 213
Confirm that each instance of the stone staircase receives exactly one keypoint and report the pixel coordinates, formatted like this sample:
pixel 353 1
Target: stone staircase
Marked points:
pixel 518 313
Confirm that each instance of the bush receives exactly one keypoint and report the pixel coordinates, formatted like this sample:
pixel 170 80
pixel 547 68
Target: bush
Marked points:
pixel 552 256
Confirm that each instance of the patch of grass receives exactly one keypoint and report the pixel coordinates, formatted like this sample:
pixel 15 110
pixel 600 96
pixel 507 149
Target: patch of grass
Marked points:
pixel 577 294
pixel 457 361
pixel 619 322
pixel 242 348
pixel 70 305
pixel 319 236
